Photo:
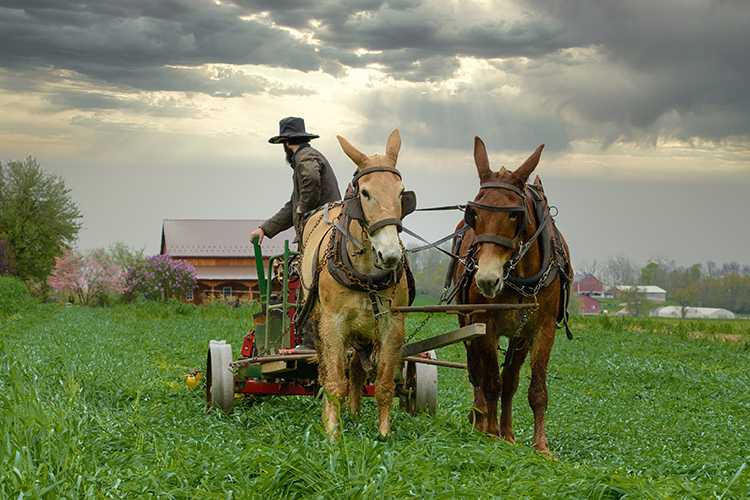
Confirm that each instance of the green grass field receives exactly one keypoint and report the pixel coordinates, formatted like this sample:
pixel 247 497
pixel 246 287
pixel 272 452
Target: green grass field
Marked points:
pixel 94 405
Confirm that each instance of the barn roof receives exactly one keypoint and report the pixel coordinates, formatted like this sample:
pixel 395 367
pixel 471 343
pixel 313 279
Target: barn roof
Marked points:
pixel 217 238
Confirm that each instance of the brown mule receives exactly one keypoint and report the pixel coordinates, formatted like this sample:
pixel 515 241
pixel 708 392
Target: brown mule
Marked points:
pixel 514 254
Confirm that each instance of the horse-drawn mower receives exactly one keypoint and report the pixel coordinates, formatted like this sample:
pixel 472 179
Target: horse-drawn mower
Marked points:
pixel 269 364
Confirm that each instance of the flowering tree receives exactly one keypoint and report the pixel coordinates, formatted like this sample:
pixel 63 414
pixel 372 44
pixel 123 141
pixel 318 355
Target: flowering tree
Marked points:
pixel 161 278
pixel 87 276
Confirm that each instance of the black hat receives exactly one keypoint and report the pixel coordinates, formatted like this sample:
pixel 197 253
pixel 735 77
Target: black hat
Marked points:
pixel 291 127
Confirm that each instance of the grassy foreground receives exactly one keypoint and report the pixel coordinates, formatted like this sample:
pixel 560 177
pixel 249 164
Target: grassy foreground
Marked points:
pixel 94 405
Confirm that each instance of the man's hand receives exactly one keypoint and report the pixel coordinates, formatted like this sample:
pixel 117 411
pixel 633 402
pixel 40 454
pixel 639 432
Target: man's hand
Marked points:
pixel 259 233
pixel 298 210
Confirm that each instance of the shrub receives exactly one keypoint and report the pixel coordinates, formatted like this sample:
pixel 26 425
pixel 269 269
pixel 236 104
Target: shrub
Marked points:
pixel 161 278
pixel 14 296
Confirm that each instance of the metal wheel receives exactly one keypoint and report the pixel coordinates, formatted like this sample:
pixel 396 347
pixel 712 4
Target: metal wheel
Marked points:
pixel 421 385
pixel 219 376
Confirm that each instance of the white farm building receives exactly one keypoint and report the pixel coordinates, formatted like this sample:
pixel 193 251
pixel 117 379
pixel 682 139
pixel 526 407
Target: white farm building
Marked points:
pixel 653 292
pixel 692 312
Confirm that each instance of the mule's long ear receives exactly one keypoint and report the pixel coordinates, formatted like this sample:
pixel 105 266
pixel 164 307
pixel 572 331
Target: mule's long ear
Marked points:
pixel 482 160
pixel 393 146
pixel 355 154
pixel 523 172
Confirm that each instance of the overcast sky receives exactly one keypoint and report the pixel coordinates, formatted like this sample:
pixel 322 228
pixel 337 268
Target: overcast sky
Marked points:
pixel 156 109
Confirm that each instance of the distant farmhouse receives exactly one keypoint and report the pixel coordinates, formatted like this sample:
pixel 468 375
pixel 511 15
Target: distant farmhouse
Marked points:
pixel 222 254
pixel 692 312
pixel 588 286
pixel 653 293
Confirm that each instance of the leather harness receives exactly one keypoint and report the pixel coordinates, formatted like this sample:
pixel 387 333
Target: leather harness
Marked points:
pixel 339 262
pixel 555 262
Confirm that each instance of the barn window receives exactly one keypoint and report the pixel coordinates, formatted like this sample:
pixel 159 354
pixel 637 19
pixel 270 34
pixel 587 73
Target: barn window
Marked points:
pixel 189 296
pixel 227 291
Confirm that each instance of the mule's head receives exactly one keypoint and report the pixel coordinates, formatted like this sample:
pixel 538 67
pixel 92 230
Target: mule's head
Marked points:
pixel 384 203
pixel 498 216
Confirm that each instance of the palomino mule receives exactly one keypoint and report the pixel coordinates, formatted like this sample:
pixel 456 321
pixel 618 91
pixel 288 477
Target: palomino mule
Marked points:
pixel 353 270
pixel 513 254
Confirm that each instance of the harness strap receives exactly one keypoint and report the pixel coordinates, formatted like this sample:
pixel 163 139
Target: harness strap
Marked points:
pixel 341 228
pixel 342 270
pixel 371 170
pixel 496 239
pixel 385 222
pixel 502 185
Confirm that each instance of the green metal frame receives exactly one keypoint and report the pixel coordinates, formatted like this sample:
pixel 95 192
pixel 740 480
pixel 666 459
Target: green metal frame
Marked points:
pixel 272 331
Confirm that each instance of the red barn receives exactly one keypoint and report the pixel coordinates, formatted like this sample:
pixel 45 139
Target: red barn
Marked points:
pixel 589 286
pixel 590 306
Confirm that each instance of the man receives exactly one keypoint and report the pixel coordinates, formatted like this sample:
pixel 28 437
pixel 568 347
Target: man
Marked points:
pixel 315 183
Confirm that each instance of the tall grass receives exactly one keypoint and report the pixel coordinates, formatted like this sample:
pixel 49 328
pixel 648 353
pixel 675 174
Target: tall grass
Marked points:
pixel 94 405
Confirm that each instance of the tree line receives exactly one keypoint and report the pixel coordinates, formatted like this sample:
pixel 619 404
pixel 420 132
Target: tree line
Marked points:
pixel 710 285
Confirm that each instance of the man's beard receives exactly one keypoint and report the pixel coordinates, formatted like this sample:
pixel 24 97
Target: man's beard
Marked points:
pixel 289 154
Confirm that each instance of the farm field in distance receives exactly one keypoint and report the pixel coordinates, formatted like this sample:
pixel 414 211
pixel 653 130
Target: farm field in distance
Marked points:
pixel 94 405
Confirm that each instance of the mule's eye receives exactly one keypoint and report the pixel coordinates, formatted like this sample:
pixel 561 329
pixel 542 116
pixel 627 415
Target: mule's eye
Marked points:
pixel 513 216
pixel 366 194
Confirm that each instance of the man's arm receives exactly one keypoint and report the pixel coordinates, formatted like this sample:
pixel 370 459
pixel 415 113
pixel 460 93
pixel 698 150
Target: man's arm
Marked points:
pixel 279 222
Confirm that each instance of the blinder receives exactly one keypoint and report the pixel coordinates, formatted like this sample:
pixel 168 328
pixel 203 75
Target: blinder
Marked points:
pixel 353 207
pixel 470 215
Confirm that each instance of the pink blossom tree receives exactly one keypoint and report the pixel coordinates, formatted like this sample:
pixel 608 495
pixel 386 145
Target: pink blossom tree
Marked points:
pixel 86 275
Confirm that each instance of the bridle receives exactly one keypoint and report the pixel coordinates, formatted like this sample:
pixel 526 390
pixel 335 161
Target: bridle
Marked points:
pixel 520 210
pixel 542 215
pixel 354 202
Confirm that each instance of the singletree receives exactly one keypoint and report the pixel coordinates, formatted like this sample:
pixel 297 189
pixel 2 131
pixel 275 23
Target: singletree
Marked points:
pixel 37 217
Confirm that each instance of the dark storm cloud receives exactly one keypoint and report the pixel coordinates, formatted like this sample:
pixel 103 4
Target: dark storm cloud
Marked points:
pixel 689 58
pixel 450 121
pixel 653 59
pixel 614 70
pixel 112 39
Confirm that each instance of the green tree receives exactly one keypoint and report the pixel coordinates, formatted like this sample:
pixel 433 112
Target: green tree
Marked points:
pixel 124 256
pixel 635 300
pixel 429 267
pixel 684 286
pixel 649 274
pixel 37 217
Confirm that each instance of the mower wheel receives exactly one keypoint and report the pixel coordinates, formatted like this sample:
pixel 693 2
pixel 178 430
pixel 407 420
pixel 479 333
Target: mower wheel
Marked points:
pixel 421 387
pixel 219 377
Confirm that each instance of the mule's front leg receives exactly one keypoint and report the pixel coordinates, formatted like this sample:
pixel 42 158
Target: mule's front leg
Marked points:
pixel 540 354
pixel 357 379
pixel 331 354
pixel 510 378
pixel 389 356
pixel 482 362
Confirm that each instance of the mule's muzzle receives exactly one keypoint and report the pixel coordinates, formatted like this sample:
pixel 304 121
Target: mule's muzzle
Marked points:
pixel 489 283
pixel 387 260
